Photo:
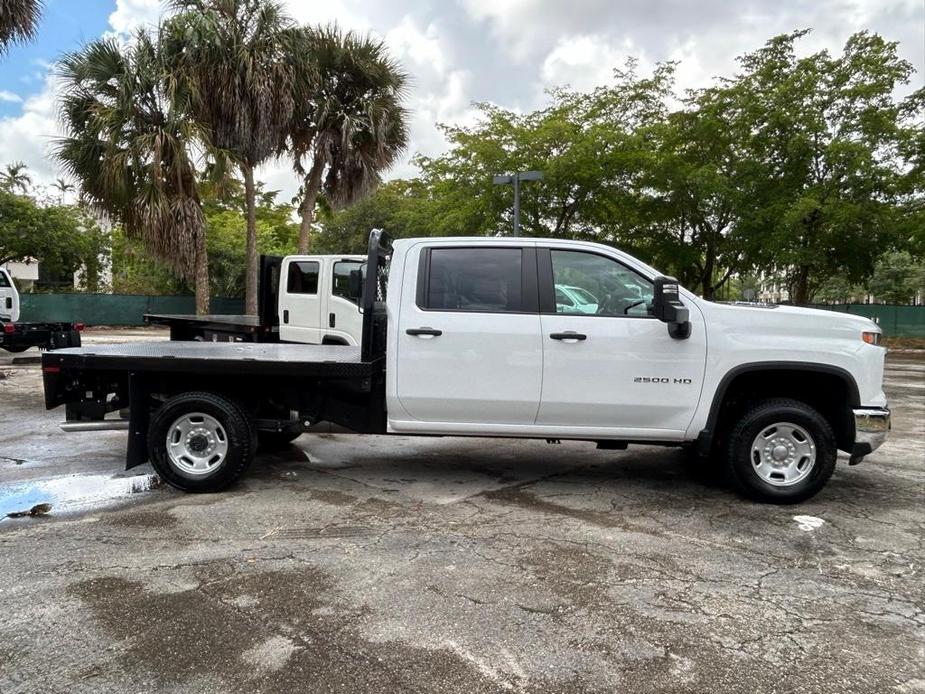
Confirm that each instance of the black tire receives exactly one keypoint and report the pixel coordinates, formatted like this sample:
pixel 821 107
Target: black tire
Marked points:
pixel 238 428
pixel 740 466
pixel 73 338
pixel 278 440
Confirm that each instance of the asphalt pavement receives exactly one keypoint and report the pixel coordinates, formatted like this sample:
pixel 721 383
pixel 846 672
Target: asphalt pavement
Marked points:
pixel 391 564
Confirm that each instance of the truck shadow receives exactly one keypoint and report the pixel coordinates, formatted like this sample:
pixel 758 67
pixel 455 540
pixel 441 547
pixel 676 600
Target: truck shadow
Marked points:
pixel 447 470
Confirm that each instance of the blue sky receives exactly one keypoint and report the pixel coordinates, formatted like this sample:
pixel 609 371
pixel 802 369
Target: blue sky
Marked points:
pixel 507 52
pixel 22 71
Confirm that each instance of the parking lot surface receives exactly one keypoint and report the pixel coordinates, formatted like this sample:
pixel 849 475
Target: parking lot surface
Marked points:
pixel 380 564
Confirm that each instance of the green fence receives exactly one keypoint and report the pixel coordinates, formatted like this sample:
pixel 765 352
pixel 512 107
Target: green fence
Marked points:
pixel 123 309
pixel 895 321
pixel 112 309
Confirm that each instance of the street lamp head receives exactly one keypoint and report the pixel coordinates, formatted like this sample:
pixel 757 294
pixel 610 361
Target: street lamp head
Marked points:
pixel 501 180
pixel 531 176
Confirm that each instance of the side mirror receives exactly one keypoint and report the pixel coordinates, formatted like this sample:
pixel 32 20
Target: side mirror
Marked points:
pixel 356 284
pixel 667 307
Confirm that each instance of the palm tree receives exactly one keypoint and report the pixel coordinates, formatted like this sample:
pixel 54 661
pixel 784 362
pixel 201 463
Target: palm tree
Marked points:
pixel 349 123
pixel 63 188
pixel 131 146
pixel 233 58
pixel 15 178
pixel 18 21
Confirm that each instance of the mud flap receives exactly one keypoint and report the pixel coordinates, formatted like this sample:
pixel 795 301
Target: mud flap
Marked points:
pixel 139 394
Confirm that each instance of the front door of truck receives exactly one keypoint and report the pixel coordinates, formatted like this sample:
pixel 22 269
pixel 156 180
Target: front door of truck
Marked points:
pixel 607 362
pixel 469 345
pixel 344 320
pixel 9 298
pixel 300 303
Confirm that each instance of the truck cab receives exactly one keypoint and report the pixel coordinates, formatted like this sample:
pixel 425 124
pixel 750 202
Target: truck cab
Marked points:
pixel 9 298
pixel 315 306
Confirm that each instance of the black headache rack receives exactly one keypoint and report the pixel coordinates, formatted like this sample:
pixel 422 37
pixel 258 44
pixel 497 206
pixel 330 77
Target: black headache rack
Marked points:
pixel 375 317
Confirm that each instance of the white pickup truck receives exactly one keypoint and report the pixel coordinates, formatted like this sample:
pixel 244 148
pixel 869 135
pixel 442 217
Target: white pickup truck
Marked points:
pixel 502 337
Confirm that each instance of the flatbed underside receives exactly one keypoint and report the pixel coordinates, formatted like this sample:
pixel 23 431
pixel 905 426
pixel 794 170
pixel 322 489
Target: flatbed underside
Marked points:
pixel 229 358
pixel 211 319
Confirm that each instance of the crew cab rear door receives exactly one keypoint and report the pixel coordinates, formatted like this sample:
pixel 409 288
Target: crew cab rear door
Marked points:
pixel 607 362
pixel 469 345
pixel 9 298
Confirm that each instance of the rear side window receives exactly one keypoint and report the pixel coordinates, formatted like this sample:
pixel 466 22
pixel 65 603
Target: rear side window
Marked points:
pixel 4 282
pixel 303 277
pixel 487 280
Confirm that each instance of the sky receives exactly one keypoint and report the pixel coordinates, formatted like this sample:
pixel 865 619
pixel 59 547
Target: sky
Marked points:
pixel 508 52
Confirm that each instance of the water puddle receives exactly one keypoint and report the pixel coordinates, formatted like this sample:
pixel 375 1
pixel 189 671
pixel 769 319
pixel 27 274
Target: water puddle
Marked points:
pixel 73 494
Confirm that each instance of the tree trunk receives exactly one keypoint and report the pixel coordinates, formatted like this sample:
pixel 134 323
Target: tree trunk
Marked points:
pixel 202 274
pixel 801 286
pixel 250 277
pixel 312 188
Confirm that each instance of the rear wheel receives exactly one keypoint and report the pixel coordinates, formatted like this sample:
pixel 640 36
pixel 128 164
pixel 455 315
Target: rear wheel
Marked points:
pixel 780 451
pixel 201 442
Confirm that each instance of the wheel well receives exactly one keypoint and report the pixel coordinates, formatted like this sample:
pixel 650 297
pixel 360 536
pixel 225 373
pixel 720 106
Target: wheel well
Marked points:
pixel 831 392
pixel 330 340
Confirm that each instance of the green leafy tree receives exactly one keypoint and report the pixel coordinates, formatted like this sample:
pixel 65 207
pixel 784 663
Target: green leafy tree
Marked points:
pixel 132 148
pixel 235 59
pixel 401 207
pixel 898 278
pixel 590 148
pixel 18 21
pixel 62 238
pixel 829 143
pixel 349 124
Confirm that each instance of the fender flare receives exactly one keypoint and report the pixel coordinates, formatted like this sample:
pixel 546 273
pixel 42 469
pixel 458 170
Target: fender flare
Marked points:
pixel 706 436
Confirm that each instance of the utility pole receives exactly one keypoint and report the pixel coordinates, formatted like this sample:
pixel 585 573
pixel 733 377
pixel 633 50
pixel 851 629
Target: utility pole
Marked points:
pixel 515 179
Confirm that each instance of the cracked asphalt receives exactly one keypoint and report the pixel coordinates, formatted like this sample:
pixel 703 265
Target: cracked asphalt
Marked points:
pixel 374 564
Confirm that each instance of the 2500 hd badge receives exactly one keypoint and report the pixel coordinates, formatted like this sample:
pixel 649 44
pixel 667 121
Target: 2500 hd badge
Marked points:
pixel 646 379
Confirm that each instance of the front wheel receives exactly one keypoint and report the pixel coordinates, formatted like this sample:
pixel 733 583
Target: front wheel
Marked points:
pixel 201 442
pixel 780 451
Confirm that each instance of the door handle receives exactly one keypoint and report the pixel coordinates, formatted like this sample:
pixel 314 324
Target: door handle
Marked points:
pixel 569 335
pixel 424 331
pixel 285 315
pixel 332 319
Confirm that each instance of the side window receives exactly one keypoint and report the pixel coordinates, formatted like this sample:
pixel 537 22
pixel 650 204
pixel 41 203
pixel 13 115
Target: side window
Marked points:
pixel 4 282
pixel 303 277
pixel 598 286
pixel 475 279
pixel 341 282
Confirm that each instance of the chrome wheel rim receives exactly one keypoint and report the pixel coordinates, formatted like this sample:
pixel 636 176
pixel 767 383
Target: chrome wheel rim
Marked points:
pixel 783 454
pixel 196 444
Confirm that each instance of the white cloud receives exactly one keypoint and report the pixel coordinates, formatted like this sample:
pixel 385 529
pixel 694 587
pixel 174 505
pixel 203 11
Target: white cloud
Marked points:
pixel 584 62
pixel 10 97
pixel 28 137
pixel 131 14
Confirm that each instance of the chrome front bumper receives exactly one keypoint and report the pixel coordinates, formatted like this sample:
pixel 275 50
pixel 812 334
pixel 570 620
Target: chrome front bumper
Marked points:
pixel 871 427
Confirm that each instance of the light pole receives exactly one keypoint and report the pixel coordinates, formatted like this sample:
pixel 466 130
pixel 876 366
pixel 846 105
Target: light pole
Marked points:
pixel 516 178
